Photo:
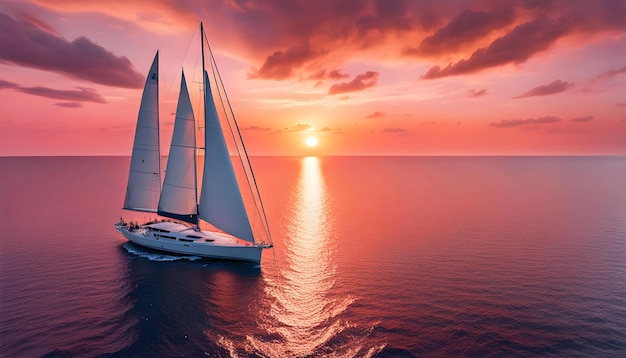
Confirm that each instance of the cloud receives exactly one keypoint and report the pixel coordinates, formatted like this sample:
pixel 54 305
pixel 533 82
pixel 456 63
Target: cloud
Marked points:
pixel 69 104
pixel 359 83
pixel 6 84
pixel 324 74
pixel 621 104
pixel 394 130
pixel 505 123
pixel 556 86
pixel 300 127
pixel 388 15
pixel 582 119
pixel 256 128
pixel 377 114
pixel 610 74
pixel 516 47
pixel 465 28
pixel 283 64
pixel 80 95
pixel 29 44
pixel 473 93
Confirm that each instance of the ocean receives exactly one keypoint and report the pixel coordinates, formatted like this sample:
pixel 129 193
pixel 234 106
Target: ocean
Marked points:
pixel 373 257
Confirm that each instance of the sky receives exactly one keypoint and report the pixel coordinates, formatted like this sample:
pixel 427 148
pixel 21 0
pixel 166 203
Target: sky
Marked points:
pixel 369 77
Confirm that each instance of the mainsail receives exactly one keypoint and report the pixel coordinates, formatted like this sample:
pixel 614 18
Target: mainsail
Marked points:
pixel 179 194
pixel 144 179
pixel 221 203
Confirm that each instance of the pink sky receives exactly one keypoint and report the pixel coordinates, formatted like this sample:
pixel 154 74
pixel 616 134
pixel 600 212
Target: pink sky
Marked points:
pixel 365 77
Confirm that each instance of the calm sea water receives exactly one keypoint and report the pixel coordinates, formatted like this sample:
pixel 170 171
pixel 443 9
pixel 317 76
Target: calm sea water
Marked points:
pixel 374 256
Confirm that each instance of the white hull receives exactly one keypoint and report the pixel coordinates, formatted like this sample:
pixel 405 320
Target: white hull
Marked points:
pixel 181 239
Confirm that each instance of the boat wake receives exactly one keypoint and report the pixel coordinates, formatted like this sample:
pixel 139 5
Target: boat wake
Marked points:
pixel 153 256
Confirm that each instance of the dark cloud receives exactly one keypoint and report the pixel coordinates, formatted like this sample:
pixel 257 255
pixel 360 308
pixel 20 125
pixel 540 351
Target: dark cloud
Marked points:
pixel 465 28
pixel 582 119
pixel 359 83
pixel 69 104
pixel 476 93
pixel 334 31
pixel 283 64
pixel 516 46
pixel 7 84
pixel 505 123
pixel 81 94
pixel 377 114
pixel 30 44
pixel 556 86
pixel 621 104
pixel 388 15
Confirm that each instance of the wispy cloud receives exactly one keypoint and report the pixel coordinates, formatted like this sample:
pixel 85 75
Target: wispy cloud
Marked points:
pixel 556 86
pixel 29 43
pixel 256 128
pixel 473 93
pixel 506 123
pixel 6 84
pixel 69 104
pixel 377 114
pixel 394 130
pixel 359 83
pixel 610 74
pixel 300 127
pixel 582 119
pixel 81 94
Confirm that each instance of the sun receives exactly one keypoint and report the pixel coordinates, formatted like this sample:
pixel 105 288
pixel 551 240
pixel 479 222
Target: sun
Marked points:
pixel 311 141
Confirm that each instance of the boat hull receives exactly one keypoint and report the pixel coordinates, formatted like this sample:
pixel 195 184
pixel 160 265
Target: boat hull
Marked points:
pixel 176 240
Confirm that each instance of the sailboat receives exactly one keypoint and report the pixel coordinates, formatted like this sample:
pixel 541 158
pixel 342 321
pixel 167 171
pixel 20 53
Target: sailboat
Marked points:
pixel 220 203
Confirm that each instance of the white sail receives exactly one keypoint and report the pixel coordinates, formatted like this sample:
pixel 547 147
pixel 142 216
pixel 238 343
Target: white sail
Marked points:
pixel 221 203
pixel 178 196
pixel 144 179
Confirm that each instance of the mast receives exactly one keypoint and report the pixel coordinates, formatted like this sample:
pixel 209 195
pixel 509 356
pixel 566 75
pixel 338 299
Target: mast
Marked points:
pixel 203 118
pixel 202 46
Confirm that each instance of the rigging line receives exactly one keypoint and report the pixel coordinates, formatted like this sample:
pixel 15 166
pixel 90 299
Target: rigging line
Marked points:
pixel 169 89
pixel 220 89
pixel 219 76
pixel 257 209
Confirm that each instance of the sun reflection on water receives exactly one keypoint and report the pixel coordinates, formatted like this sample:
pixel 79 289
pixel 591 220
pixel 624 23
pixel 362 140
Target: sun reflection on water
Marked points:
pixel 303 314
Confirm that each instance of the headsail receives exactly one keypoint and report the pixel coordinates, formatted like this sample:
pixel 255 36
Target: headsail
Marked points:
pixel 221 203
pixel 179 195
pixel 144 179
